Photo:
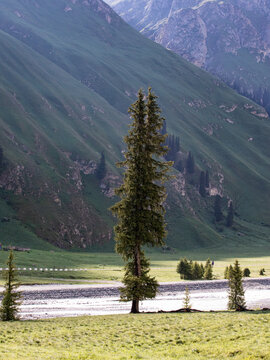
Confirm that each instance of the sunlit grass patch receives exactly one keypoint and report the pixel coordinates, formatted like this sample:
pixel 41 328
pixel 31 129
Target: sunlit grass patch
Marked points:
pixel 147 336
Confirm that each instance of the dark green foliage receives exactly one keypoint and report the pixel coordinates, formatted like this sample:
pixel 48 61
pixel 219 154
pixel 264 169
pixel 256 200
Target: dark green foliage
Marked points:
pixel 229 221
pixel 202 190
pixel 226 276
pixel 246 272
pixel 101 167
pixel 138 287
pixel 11 297
pixel 140 211
pixel 208 271
pixel 1 159
pixel 217 209
pixel 197 271
pixel 228 272
pixel 236 291
pixel 190 270
pixel 173 143
pixel 179 165
pixel 262 271
pixel 190 164
pixel 207 179
pixel 184 268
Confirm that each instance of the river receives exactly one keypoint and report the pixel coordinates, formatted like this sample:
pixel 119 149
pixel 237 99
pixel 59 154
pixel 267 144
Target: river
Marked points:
pixel 56 300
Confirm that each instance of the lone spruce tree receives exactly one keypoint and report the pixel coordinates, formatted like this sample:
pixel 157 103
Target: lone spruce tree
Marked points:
pixel 140 211
pixel 11 297
pixel 230 215
pixel 236 291
pixel 101 167
pixel 202 190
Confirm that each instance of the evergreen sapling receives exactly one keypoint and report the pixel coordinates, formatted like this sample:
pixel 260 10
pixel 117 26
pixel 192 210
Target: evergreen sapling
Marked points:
pixel 11 297
pixel 236 291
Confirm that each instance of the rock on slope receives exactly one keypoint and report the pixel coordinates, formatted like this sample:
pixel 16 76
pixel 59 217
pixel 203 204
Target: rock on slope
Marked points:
pixel 230 39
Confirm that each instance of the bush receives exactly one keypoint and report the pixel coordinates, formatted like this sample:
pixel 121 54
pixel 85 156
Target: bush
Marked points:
pixel 246 272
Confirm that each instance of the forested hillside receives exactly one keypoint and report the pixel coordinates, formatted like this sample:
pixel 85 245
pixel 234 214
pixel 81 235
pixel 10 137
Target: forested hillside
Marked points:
pixel 70 69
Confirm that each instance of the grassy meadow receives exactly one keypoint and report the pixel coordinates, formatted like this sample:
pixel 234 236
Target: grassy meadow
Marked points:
pixel 109 266
pixel 189 336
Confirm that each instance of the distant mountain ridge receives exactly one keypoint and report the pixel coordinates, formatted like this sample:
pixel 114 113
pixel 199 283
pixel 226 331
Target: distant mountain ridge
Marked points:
pixel 70 69
pixel 230 39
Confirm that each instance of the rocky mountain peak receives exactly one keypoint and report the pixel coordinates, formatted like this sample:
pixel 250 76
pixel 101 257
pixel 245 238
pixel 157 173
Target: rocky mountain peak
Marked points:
pixel 230 39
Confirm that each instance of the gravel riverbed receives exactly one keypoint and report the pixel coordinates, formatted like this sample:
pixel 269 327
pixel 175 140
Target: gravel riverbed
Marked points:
pixel 57 300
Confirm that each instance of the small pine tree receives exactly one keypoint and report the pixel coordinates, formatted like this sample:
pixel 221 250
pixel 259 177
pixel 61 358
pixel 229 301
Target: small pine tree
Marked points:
pixel 217 209
pixel 202 190
pixel 184 268
pixel 207 179
pixel 236 291
pixel 230 271
pixel 11 297
pixel 163 130
pixel 177 144
pixel 226 273
pixel 178 165
pixel 208 271
pixel 195 270
pixel 173 144
pixel 190 165
pixel 246 272
pixel 230 215
pixel 186 300
pixel 101 167
pixel 1 159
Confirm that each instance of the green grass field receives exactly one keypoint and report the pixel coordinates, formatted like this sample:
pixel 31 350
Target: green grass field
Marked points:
pixel 109 266
pixel 212 336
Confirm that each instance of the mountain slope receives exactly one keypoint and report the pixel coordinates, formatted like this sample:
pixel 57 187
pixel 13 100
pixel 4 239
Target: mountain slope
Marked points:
pixel 230 39
pixel 71 69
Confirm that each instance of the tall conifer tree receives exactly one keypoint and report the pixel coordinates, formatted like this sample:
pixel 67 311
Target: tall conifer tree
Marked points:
pixel 202 184
pixel 190 163
pixel 1 159
pixel 140 211
pixel 101 167
pixel 207 179
pixel 217 209
pixel 230 215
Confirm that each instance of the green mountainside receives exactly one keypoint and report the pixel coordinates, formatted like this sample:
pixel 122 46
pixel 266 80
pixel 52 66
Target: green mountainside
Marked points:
pixel 69 71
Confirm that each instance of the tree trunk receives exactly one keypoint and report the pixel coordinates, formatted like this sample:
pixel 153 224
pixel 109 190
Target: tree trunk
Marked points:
pixel 135 307
pixel 138 272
